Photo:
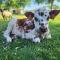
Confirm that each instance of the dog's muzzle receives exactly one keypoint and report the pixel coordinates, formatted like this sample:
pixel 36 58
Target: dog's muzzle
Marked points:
pixel 43 30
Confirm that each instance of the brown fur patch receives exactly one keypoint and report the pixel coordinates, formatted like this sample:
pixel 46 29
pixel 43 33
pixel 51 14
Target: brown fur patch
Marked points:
pixel 21 22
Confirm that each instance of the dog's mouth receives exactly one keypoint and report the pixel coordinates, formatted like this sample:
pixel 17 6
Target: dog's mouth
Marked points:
pixel 43 30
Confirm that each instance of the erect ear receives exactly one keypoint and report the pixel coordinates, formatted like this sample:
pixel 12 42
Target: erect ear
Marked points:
pixel 27 14
pixel 51 14
pixel 54 13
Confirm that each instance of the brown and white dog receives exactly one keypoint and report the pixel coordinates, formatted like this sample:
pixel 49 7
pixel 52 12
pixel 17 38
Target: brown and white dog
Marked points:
pixel 20 27
pixel 34 30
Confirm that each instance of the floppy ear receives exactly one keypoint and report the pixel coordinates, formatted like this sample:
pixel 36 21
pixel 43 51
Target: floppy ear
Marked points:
pixel 27 14
pixel 53 13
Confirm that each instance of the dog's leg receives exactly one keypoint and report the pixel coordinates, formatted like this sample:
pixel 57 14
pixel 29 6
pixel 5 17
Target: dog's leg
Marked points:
pixel 13 37
pixel 7 32
pixel 36 39
pixel 23 35
pixel 7 37
pixel 43 36
pixel 48 35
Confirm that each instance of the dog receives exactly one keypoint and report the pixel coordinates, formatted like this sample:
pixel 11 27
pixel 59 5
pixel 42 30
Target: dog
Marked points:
pixel 41 23
pixel 20 27
pixel 39 27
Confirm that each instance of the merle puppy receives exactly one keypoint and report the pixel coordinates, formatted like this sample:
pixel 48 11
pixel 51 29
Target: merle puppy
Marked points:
pixel 40 29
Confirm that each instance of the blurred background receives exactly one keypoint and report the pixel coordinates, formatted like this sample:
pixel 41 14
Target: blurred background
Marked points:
pixel 26 5
pixel 9 7
pixel 48 49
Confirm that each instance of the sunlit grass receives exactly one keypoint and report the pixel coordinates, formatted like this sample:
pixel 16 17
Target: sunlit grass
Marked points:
pixel 21 16
pixel 48 49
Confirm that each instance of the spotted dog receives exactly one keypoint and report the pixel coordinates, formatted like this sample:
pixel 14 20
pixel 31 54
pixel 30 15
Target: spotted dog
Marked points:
pixel 34 30
pixel 41 23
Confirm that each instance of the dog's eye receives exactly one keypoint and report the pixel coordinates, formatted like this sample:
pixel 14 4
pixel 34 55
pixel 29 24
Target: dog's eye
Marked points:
pixel 42 13
pixel 36 19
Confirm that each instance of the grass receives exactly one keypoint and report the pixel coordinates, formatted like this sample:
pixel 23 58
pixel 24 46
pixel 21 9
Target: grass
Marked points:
pixel 27 50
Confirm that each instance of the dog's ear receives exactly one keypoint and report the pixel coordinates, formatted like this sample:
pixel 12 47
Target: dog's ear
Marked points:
pixel 51 14
pixel 27 14
pixel 54 13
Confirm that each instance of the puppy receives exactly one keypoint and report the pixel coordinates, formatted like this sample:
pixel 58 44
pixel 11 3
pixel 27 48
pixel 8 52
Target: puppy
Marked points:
pixel 41 23
pixel 20 27
pixel 34 27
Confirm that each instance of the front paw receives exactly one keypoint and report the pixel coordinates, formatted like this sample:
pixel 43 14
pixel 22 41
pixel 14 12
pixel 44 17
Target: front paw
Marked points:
pixel 49 36
pixel 36 40
pixel 23 36
pixel 9 39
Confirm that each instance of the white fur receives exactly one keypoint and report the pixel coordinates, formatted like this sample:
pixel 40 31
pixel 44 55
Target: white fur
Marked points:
pixel 45 21
pixel 13 28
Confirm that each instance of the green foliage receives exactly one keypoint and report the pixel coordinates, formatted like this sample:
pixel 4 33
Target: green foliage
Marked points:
pixel 0 4
pixel 23 2
pixel 50 1
pixel 58 0
pixel 39 1
pixel 14 3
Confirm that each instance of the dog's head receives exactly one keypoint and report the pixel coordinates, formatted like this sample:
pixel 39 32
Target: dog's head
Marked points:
pixel 41 17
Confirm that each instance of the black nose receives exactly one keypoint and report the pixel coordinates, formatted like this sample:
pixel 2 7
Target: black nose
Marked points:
pixel 42 24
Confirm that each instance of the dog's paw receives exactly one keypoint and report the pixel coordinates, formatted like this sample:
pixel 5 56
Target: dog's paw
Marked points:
pixel 36 40
pixel 9 40
pixel 49 36
pixel 23 37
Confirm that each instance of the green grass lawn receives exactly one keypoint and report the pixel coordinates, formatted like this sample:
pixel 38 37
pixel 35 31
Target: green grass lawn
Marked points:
pixel 27 50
